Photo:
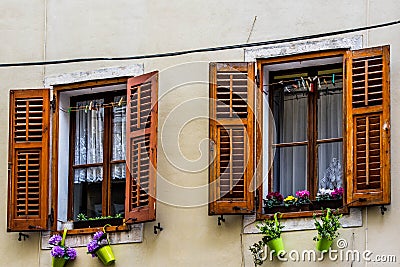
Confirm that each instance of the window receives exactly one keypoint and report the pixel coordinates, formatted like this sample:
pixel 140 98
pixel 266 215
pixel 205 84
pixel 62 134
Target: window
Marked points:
pixel 103 138
pixel 322 122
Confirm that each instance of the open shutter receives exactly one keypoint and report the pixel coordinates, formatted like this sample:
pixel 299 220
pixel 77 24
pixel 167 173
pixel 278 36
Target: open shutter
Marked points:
pixel 29 160
pixel 232 138
pixel 368 127
pixel 141 158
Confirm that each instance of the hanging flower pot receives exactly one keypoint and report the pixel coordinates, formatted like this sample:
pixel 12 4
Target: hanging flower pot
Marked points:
pixel 276 245
pixel 323 244
pixel 58 262
pixel 100 247
pixel 106 255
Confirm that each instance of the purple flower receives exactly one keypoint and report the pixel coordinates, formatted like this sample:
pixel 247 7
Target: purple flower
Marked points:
pixel 337 193
pixel 303 194
pixel 71 253
pixel 98 235
pixel 57 251
pixel 92 247
pixel 55 240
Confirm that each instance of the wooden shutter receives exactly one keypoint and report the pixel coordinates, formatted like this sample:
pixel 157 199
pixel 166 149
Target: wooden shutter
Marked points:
pixel 368 127
pixel 29 160
pixel 232 138
pixel 141 158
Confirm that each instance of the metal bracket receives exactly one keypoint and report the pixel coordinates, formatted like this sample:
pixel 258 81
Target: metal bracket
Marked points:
pixel 53 104
pixel 221 219
pixel 21 235
pixel 383 209
pixel 157 227
pixel 51 217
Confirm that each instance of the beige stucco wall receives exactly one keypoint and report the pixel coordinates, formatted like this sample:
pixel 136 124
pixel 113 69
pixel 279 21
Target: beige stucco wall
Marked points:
pixel 34 30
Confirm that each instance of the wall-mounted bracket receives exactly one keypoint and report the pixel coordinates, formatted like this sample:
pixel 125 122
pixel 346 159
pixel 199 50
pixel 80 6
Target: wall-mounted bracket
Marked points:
pixel 383 209
pixel 22 235
pixel 157 227
pixel 221 219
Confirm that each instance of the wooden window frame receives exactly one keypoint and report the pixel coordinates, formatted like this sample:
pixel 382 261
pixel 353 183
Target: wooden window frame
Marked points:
pixel 106 164
pixel 259 140
pixel 57 90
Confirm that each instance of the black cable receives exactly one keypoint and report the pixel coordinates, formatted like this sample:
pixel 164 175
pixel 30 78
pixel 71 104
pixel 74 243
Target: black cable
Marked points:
pixel 199 50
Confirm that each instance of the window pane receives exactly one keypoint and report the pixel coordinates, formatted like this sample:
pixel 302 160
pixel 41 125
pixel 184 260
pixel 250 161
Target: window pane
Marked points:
pixel 330 112
pixel 330 165
pixel 290 116
pixel 118 188
pixel 119 129
pixel 290 170
pixel 89 132
pixel 87 191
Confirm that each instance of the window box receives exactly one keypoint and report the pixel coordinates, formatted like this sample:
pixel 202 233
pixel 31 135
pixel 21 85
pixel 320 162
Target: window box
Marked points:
pixel 328 203
pixel 98 223
pixel 281 209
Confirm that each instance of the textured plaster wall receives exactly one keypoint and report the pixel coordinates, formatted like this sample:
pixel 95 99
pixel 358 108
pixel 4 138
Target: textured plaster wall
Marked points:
pixel 34 30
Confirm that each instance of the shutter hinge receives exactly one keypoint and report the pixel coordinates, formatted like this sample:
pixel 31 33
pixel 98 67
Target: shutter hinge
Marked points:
pixel 256 200
pixel 51 217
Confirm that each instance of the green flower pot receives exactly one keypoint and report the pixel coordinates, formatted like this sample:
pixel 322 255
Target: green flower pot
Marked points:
pixel 324 244
pixel 277 245
pixel 106 255
pixel 58 262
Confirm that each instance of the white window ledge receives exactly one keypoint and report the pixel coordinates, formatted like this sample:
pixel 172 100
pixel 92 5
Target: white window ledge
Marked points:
pixel 134 235
pixel 353 219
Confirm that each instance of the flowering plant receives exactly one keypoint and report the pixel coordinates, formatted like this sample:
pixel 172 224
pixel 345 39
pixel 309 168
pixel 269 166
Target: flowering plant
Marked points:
pixel 290 200
pixel 99 240
pixel 303 197
pixel 273 199
pixel 329 194
pixel 59 249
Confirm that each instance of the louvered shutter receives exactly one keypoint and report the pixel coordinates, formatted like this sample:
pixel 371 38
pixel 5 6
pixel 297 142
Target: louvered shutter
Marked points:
pixel 141 158
pixel 232 139
pixel 28 160
pixel 368 127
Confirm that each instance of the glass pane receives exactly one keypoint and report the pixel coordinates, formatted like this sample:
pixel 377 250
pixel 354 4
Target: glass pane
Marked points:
pixel 290 170
pixel 290 116
pixel 330 112
pixel 330 165
pixel 87 192
pixel 89 132
pixel 118 183
pixel 119 129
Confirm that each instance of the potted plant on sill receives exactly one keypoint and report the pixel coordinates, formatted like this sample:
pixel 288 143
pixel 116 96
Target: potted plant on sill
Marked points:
pixel 273 203
pixel 60 253
pixel 327 229
pixel 100 247
pixel 271 230
pixel 303 200
pixel 290 203
pixel 329 198
pixel 84 222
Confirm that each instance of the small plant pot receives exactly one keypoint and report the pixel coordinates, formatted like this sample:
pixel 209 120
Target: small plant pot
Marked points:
pixel 274 209
pixel 277 245
pixel 323 244
pixel 58 262
pixel 305 207
pixel 106 255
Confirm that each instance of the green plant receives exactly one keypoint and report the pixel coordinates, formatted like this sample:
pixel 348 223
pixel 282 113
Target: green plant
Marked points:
pixel 271 229
pixel 83 217
pixel 329 225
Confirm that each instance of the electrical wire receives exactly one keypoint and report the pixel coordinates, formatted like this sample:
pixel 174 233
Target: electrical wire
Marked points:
pixel 199 50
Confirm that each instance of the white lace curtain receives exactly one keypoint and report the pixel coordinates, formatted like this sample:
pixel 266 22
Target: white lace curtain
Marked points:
pixel 89 138
pixel 290 163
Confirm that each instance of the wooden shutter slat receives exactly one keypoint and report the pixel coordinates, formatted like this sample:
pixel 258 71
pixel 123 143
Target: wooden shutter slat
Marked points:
pixel 368 134
pixel 29 159
pixel 141 150
pixel 231 132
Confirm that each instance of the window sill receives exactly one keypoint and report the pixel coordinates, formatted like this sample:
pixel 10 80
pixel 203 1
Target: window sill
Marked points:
pixel 299 221
pixel 123 234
